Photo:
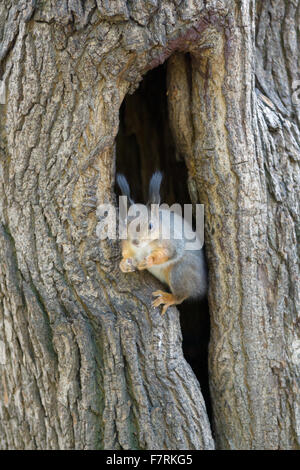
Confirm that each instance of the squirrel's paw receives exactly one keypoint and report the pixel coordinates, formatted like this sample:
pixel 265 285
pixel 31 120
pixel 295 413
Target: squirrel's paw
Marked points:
pixel 146 263
pixel 127 265
pixel 163 298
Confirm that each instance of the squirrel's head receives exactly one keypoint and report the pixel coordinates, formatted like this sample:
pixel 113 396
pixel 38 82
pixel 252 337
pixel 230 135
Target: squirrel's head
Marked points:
pixel 142 221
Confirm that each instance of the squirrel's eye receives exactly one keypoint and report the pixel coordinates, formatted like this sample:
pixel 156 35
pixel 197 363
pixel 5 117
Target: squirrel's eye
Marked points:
pixel 150 226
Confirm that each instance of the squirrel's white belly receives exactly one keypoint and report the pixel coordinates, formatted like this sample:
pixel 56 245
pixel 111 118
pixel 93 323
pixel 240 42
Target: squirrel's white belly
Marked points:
pixel 158 272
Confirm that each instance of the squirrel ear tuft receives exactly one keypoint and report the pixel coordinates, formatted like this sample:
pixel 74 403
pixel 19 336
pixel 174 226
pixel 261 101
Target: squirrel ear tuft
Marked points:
pixel 124 186
pixel 154 188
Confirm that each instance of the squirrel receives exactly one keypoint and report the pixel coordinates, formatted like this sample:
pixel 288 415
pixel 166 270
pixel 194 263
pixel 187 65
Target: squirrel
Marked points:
pixel 167 258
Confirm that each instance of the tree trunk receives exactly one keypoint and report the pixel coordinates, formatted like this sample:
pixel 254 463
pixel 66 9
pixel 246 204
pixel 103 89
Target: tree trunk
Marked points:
pixel 85 362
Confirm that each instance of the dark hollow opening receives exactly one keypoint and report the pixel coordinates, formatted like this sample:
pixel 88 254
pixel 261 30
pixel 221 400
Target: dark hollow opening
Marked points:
pixel 145 144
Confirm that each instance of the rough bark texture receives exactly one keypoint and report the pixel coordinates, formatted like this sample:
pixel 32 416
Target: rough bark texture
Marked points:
pixel 84 360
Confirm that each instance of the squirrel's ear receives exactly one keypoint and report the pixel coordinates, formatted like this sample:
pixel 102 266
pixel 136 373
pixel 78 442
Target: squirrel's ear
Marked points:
pixel 154 187
pixel 124 186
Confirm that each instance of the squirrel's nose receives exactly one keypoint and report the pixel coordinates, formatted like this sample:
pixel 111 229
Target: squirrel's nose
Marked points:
pixel 135 241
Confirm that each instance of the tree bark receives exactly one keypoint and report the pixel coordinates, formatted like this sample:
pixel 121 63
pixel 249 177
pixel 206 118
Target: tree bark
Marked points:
pixel 85 362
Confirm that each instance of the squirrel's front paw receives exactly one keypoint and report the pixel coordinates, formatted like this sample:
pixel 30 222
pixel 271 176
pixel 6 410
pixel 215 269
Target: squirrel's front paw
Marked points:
pixel 127 265
pixel 145 263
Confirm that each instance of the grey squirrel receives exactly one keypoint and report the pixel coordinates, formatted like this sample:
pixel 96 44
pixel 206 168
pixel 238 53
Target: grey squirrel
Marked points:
pixel 167 258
